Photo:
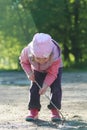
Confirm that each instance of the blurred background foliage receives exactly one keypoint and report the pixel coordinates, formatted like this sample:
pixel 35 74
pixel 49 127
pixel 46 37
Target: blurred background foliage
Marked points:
pixel 64 20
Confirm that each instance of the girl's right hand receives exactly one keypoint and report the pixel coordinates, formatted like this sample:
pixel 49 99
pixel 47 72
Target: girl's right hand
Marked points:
pixel 31 77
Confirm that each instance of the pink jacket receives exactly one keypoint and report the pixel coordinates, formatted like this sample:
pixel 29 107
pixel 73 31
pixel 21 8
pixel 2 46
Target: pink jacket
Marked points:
pixel 51 67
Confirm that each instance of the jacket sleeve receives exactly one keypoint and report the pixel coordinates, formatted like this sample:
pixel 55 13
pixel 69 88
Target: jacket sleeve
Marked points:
pixel 24 61
pixel 52 72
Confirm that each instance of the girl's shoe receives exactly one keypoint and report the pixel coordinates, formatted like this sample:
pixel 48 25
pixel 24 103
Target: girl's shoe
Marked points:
pixel 33 115
pixel 55 115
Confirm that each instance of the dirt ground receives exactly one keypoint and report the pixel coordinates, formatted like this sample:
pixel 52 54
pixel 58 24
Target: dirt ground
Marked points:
pixel 14 89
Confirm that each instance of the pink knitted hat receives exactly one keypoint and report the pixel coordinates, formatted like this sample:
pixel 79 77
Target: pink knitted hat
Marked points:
pixel 42 45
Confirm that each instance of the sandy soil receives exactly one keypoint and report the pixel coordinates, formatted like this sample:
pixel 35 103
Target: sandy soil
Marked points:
pixel 14 88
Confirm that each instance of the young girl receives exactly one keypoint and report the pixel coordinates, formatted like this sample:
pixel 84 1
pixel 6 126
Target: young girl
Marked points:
pixel 41 61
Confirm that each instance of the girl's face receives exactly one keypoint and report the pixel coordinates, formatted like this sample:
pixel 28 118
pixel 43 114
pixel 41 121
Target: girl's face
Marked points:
pixel 41 60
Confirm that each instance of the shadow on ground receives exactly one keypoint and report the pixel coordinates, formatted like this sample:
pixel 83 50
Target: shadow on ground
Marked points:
pixel 46 125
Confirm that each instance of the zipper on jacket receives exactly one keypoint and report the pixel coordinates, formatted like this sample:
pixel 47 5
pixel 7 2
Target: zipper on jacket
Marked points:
pixel 38 66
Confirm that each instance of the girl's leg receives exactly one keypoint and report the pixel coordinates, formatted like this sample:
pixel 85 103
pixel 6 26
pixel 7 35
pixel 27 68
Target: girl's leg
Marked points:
pixel 56 92
pixel 34 102
pixel 34 97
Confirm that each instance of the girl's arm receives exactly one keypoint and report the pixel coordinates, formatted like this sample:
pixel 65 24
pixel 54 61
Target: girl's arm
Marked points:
pixel 52 72
pixel 24 61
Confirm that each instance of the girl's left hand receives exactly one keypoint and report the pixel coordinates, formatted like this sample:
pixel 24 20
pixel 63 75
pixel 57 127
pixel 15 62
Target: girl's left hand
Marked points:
pixel 43 89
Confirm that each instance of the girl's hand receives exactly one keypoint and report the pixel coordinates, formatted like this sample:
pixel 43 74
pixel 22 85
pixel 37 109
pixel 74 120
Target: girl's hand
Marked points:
pixel 31 76
pixel 43 89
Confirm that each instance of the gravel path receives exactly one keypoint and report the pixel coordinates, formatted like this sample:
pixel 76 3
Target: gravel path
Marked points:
pixel 14 87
